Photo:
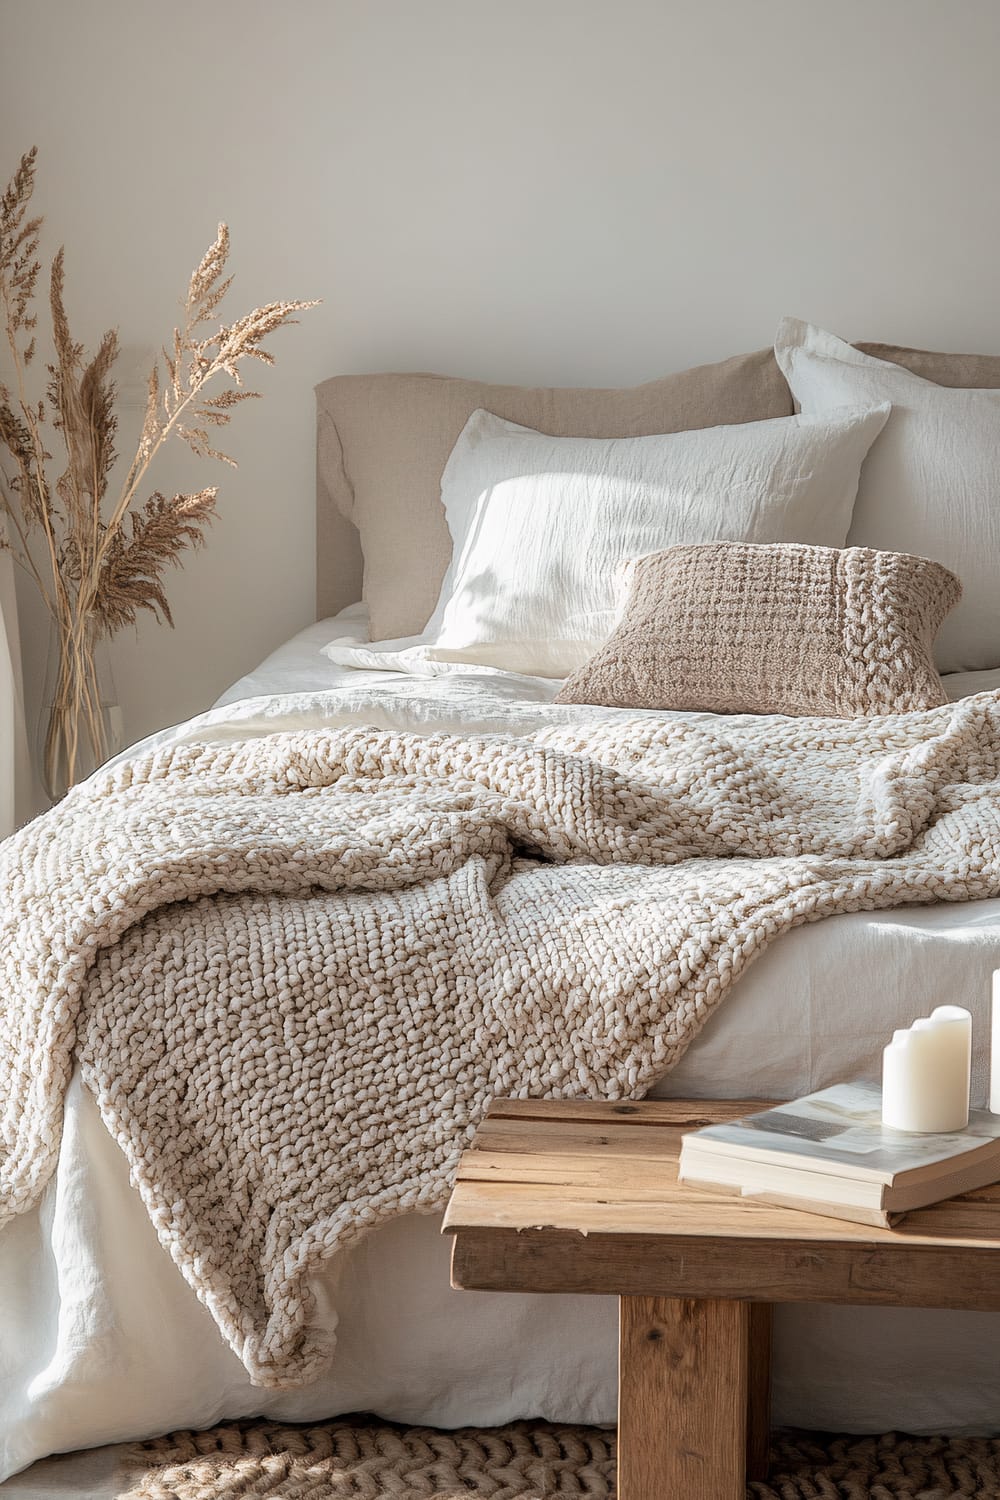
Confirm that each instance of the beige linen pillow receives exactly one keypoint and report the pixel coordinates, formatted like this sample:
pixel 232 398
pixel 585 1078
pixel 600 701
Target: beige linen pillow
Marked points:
pixel 971 372
pixel 383 441
pixel 735 627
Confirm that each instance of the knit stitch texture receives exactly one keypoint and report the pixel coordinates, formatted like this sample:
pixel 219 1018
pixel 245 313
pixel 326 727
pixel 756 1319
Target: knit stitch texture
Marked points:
pixel 774 628
pixel 295 970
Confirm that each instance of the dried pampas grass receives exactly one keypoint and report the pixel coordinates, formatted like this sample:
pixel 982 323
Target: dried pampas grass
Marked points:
pixel 98 561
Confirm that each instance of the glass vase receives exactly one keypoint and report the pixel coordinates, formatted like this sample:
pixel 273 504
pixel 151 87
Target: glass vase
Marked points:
pixel 79 711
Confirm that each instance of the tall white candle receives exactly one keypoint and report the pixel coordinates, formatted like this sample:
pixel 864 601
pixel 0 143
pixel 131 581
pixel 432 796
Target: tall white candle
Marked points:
pixel 995 1047
pixel 926 1071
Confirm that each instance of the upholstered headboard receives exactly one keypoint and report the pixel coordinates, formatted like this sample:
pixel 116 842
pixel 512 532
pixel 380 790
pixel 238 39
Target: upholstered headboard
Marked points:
pixel 339 564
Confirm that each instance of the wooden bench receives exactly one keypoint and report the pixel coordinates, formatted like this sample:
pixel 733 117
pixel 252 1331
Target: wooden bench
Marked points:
pixel 584 1197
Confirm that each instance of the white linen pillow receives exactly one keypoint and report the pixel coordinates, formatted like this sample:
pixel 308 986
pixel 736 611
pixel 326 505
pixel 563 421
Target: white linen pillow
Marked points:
pixel 931 483
pixel 542 525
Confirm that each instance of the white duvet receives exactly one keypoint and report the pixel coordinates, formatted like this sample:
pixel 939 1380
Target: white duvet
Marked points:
pixel 102 1340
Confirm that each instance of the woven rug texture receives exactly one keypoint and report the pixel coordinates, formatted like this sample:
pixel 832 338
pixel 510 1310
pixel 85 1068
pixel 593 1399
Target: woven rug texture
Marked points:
pixel 362 1460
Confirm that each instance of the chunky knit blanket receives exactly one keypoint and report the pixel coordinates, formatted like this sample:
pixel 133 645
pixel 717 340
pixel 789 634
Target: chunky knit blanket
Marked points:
pixel 295 970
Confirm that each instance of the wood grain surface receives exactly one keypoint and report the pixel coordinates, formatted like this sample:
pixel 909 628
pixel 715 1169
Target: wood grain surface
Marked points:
pixel 584 1197
pixel 682 1399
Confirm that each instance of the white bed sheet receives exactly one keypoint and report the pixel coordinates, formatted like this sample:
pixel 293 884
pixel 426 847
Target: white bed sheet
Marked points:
pixel 102 1340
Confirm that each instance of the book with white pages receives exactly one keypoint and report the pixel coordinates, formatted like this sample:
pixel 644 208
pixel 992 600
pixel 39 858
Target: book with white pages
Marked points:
pixel 830 1154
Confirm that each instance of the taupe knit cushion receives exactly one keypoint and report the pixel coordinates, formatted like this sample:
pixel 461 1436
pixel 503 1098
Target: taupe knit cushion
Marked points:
pixel 734 627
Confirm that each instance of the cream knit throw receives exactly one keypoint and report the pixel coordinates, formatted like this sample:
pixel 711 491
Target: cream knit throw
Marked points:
pixel 295 970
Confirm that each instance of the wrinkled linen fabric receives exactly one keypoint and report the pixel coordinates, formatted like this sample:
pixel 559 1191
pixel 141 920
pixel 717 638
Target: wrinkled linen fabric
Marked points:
pixel 928 485
pixel 295 970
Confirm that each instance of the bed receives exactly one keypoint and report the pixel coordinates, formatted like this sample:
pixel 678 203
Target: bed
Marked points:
pixel 104 1339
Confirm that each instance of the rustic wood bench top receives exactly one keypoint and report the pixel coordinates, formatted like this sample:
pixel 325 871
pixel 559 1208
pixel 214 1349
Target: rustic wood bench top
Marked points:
pixel 544 1179
pixel 584 1197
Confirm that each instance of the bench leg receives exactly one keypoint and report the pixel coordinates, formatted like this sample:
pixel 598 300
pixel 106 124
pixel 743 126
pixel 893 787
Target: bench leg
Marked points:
pixel 692 1402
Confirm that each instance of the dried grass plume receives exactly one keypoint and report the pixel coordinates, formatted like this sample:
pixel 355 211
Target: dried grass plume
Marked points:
pixel 97 559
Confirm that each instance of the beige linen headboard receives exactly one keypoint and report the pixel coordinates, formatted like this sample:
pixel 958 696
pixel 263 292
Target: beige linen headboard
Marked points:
pixel 339 564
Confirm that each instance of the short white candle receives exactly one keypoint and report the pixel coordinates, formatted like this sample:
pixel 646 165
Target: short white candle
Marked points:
pixel 995 1047
pixel 926 1072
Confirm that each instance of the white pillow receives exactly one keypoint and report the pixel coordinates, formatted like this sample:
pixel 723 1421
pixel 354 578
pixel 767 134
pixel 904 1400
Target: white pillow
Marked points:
pixel 931 484
pixel 542 525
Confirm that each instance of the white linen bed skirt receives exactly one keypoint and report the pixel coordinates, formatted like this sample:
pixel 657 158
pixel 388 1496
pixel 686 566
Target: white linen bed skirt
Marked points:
pixel 102 1340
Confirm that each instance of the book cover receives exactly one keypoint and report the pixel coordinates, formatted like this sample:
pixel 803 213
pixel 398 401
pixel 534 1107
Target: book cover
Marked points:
pixel 839 1131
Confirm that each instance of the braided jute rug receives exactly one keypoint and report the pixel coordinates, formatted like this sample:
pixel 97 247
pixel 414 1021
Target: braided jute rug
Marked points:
pixel 360 1459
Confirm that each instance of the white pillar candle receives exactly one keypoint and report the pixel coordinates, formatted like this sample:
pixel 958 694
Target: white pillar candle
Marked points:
pixel 926 1071
pixel 995 1047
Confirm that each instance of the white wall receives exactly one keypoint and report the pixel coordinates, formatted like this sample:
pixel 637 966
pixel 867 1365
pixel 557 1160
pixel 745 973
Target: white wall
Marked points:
pixel 591 191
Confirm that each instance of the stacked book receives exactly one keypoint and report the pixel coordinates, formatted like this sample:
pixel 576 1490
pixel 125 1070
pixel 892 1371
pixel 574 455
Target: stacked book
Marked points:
pixel 829 1153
